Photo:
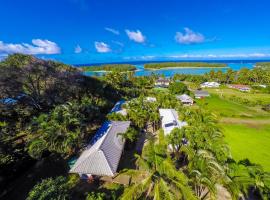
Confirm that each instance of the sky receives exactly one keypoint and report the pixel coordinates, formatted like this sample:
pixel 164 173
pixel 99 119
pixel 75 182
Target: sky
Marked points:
pixel 95 31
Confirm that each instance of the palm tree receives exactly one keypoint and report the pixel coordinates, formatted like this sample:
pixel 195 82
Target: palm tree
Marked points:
pixel 156 177
pixel 205 173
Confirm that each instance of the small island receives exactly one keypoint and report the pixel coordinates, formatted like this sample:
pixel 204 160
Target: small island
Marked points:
pixel 110 68
pixel 264 65
pixel 184 65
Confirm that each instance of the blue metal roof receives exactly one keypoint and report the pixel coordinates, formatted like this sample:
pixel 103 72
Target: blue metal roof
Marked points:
pixel 118 106
pixel 101 131
pixel 105 126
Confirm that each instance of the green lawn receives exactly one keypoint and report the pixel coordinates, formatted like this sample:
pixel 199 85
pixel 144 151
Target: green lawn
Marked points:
pixel 227 108
pixel 247 141
pixel 250 96
pixel 246 128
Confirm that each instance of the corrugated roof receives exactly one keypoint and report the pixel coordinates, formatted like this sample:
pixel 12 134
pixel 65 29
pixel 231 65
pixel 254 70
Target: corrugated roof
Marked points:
pixel 184 97
pixel 103 157
pixel 201 93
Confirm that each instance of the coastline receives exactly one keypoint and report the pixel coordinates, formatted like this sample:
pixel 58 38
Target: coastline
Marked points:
pixel 154 69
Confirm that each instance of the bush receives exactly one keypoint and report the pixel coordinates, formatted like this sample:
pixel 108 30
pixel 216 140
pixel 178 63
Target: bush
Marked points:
pixel 178 88
pixel 96 196
pixel 53 189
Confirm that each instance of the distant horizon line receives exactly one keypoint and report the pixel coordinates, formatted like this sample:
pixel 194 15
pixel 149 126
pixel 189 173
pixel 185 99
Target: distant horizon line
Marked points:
pixel 163 61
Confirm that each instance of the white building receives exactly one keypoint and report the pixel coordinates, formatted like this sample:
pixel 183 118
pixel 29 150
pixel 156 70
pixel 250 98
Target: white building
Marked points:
pixel 210 85
pixel 102 156
pixel 162 82
pixel 169 120
pixel 185 99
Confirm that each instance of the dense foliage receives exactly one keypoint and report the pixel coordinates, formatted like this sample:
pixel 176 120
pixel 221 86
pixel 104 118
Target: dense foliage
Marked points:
pixel 253 77
pixel 182 64
pixel 110 67
pixel 54 189
pixel 46 107
pixel 178 88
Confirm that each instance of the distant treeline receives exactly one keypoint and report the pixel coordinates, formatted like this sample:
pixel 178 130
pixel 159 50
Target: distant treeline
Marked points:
pixel 265 65
pixel 182 64
pixel 111 67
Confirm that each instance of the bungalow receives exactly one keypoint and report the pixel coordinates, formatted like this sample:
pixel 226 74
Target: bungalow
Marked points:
pixel 210 85
pixel 243 88
pixel 102 155
pixel 169 120
pixel 200 94
pixel 162 82
pixel 185 99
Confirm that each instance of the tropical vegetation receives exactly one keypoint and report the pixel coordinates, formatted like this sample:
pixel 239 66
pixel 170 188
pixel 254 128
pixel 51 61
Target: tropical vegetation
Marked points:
pixel 49 111
pixel 110 67
pixel 182 64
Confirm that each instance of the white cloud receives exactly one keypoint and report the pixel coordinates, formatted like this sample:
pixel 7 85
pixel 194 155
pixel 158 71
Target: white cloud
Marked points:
pixel 38 46
pixel 78 49
pixel 140 57
pixel 118 43
pixel 116 32
pixel 102 47
pixel 136 36
pixel 189 37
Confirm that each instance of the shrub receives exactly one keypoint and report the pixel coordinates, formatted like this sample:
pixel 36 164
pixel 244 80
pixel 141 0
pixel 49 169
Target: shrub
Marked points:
pixel 53 189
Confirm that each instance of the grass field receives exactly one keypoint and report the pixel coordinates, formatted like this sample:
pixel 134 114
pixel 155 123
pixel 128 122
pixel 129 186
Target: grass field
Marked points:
pixel 247 141
pixel 246 128
pixel 227 108
pixel 249 96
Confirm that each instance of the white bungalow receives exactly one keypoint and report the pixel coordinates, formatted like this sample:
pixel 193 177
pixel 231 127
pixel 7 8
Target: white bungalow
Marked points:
pixel 169 120
pixel 210 85
pixel 162 82
pixel 185 99
pixel 102 156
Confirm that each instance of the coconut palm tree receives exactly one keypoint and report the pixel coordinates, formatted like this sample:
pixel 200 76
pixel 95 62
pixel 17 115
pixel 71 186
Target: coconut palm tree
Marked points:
pixel 156 177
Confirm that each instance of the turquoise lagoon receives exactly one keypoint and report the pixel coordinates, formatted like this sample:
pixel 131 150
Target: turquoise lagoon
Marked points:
pixel 170 72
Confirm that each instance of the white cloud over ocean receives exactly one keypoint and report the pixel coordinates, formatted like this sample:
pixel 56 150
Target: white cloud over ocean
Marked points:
pixel 189 37
pixel 136 36
pixel 102 47
pixel 38 46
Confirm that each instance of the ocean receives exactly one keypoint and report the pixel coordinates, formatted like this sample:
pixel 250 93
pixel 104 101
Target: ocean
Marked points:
pixel 233 64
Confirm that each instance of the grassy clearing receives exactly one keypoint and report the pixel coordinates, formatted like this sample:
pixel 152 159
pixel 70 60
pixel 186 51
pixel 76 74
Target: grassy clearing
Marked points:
pixel 246 128
pixel 227 108
pixel 226 93
pixel 249 141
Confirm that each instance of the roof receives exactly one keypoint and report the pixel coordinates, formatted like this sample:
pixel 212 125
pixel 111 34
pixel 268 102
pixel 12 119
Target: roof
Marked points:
pixel 118 106
pixel 210 84
pixel 169 120
pixel 239 86
pixel 102 158
pixel 201 93
pixel 184 97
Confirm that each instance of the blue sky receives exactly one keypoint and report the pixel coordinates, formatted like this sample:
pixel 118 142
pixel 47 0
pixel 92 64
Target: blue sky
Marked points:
pixel 88 31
